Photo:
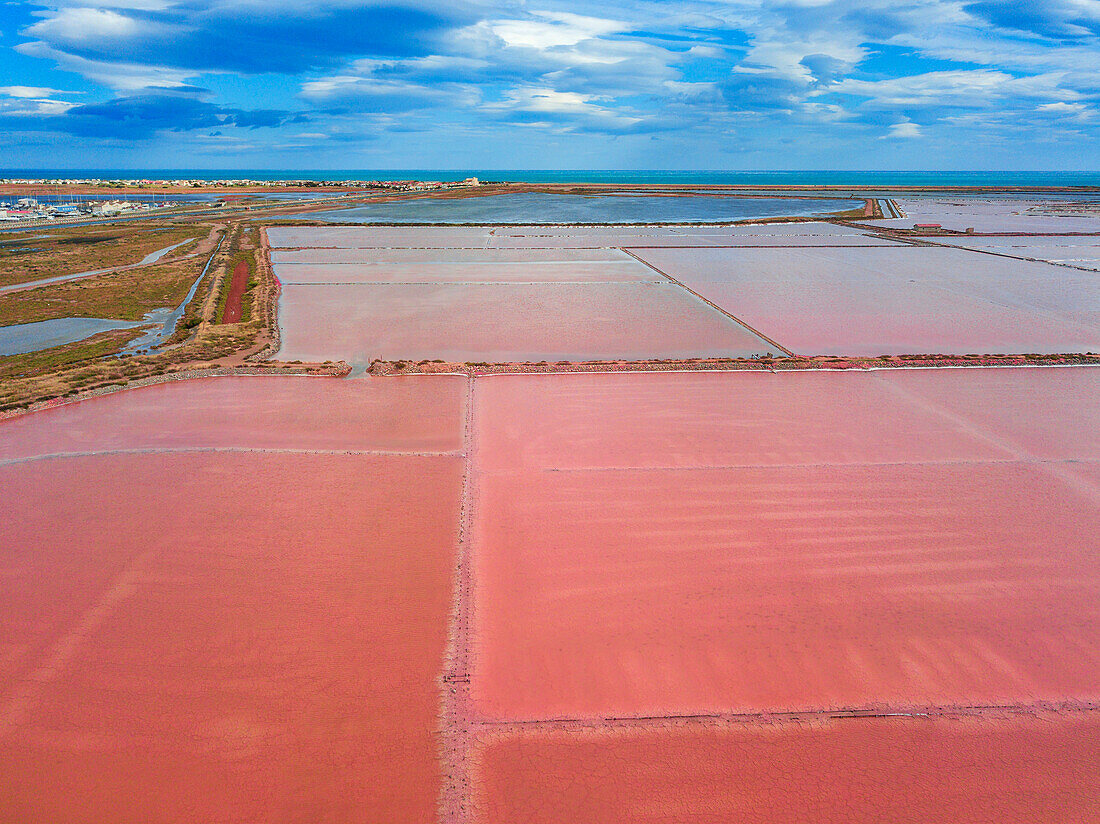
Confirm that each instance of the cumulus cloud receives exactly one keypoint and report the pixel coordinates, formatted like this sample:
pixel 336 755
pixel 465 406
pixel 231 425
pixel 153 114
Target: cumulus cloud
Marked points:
pixel 551 30
pixel 1078 113
pixel 23 107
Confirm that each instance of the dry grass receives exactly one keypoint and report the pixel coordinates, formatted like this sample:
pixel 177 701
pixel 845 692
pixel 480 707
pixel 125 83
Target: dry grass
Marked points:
pixel 24 257
pixel 124 295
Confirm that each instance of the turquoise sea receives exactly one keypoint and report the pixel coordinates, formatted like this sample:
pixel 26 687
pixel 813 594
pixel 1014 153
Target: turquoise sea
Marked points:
pixel 724 178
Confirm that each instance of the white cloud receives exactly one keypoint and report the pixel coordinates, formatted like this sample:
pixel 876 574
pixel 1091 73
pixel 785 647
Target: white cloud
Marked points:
pixel 977 88
pixel 552 30
pixel 533 99
pixel 798 67
pixel 547 106
pixel 905 129
pixel 1069 112
pixel 347 85
pixel 77 25
pixel 31 91
pixel 1063 108
pixel 134 5
pixel 122 77
pixel 26 107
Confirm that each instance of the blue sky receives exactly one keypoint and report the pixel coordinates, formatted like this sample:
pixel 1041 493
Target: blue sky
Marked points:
pixel 802 84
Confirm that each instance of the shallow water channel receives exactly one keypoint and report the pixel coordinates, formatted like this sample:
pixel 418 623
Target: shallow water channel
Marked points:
pixel 166 319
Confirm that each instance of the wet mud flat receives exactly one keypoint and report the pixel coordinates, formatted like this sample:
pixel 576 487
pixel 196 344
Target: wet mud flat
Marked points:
pixel 395 294
pixel 1076 251
pixel 511 293
pixel 563 237
pixel 1003 213
pixel 489 266
pixel 472 294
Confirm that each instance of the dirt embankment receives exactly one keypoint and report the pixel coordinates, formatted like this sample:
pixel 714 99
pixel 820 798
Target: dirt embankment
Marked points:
pixel 795 363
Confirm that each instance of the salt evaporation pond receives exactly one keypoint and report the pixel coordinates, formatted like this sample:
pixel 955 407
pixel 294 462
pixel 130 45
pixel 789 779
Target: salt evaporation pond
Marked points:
pixel 555 208
pixel 214 651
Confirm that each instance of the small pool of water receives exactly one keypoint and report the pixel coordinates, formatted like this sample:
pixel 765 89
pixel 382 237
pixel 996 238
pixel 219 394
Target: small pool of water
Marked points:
pixel 33 337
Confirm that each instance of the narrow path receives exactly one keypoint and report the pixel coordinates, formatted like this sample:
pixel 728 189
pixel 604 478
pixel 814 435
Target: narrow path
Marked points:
pixel 185 450
pixel 455 718
pixel 795 717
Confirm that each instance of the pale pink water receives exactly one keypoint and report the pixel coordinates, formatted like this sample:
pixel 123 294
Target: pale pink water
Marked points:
pixel 879 301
